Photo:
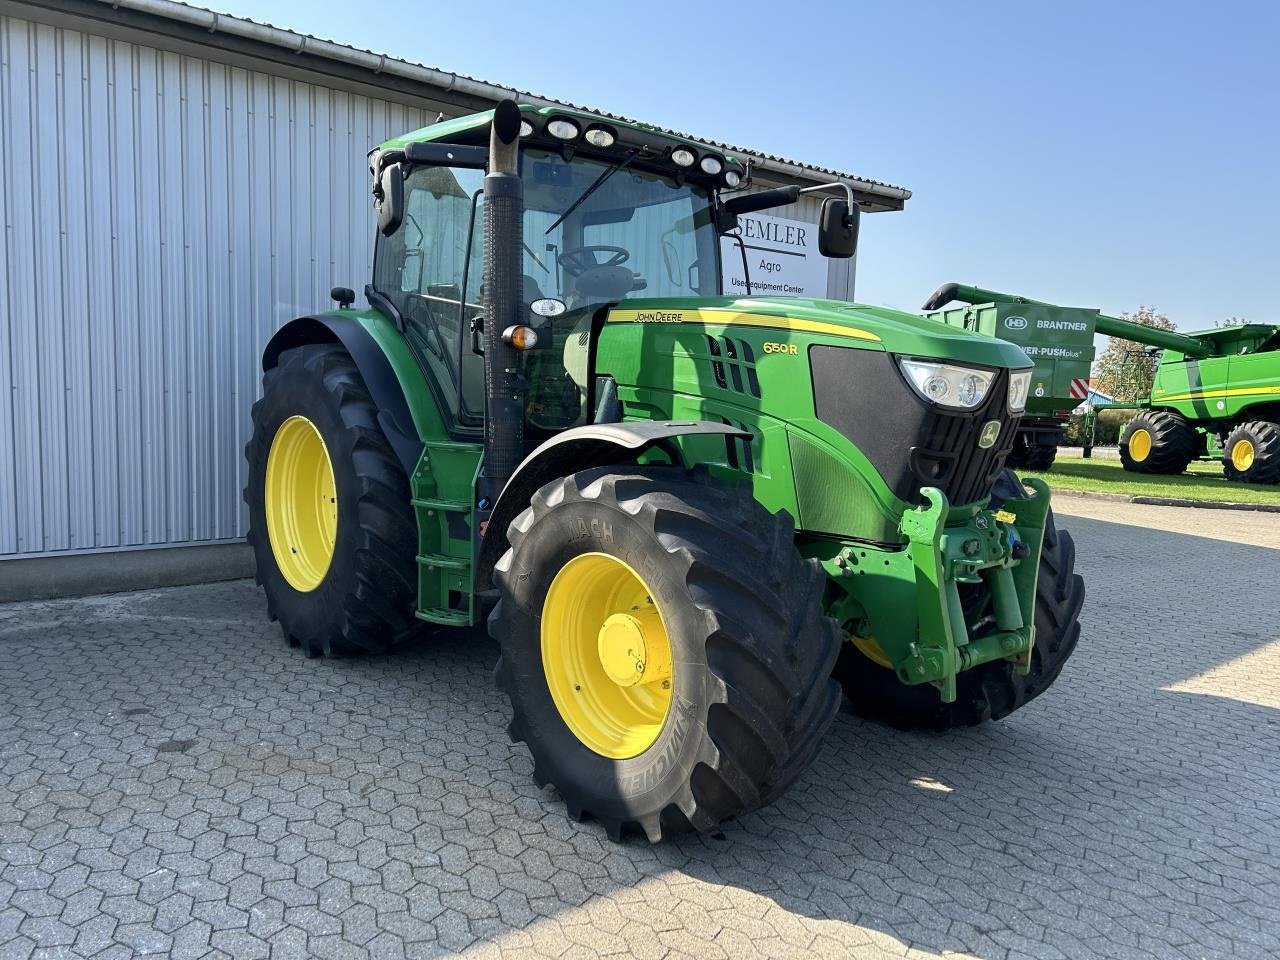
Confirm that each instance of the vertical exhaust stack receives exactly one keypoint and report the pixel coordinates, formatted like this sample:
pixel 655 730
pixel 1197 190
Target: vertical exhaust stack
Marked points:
pixel 504 240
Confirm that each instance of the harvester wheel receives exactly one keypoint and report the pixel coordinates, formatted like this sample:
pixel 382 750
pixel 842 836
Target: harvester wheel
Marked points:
pixel 1252 453
pixel 1158 441
pixel 664 648
pixel 330 521
pixel 993 690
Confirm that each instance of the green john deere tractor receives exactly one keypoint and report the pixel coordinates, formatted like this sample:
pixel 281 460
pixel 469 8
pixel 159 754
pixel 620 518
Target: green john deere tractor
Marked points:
pixel 690 515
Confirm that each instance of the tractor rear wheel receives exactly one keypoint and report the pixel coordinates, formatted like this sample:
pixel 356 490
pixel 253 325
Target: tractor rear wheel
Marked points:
pixel 1158 441
pixel 1252 453
pixel 330 521
pixel 993 690
pixel 664 648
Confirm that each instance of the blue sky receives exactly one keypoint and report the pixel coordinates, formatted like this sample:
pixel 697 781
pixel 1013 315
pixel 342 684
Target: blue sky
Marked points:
pixel 1093 154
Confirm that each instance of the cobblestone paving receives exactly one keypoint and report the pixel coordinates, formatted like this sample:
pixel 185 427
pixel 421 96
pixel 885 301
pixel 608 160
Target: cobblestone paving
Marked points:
pixel 174 780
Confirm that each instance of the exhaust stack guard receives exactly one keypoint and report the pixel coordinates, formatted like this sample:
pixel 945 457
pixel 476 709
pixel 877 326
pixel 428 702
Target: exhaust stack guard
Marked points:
pixel 504 239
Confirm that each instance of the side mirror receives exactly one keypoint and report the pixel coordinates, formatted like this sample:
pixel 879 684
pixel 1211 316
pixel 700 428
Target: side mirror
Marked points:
pixel 389 199
pixel 838 229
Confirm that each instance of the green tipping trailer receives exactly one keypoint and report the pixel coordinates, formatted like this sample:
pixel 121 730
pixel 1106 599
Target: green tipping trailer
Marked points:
pixel 1059 341
pixel 1216 392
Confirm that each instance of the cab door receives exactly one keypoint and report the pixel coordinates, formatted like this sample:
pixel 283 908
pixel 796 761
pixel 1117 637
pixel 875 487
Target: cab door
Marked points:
pixel 425 267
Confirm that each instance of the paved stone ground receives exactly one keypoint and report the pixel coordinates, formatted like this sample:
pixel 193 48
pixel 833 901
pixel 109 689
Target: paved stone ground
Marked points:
pixel 173 779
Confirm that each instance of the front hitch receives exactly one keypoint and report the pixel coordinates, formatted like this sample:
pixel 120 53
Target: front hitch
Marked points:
pixel 999 548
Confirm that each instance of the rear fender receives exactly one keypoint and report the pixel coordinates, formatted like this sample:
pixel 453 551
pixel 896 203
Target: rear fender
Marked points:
pixel 592 445
pixel 376 369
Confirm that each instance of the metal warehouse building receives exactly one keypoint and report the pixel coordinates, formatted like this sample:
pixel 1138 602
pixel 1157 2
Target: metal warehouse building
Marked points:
pixel 175 184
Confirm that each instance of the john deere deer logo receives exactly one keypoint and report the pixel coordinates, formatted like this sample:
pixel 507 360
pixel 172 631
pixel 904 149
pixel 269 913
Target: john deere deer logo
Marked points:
pixel 990 432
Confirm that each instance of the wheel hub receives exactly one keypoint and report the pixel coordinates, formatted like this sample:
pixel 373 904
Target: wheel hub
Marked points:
pixel 1140 445
pixel 301 500
pixel 623 652
pixel 606 656
pixel 1242 455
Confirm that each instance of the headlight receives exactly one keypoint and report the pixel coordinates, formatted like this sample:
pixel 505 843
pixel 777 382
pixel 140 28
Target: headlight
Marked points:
pixel 562 129
pixel 682 157
pixel 526 128
pixel 732 178
pixel 1019 385
pixel 946 384
pixel 711 165
pixel 600 137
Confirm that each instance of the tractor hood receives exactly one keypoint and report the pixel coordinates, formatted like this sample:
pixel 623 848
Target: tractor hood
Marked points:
pixel 894 331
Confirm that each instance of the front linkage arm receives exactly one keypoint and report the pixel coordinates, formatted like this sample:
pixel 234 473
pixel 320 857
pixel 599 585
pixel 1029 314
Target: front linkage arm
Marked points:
pixel 1000 548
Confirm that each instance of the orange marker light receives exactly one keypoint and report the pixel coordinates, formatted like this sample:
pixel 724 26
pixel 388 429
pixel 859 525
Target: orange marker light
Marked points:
pixel 520 337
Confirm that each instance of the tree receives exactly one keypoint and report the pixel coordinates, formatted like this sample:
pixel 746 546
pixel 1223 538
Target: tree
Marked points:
pixel 1125 369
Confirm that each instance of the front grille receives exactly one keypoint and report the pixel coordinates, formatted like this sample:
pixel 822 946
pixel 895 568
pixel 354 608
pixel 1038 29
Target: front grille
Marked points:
pixel 911 443
pixel 947 455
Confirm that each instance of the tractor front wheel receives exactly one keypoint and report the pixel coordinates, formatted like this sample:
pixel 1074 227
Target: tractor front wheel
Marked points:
pixel 1252 453
pixel 1029 455
pixel 330 522
pixel 992 690
pixel 1157 441
pixel 664 648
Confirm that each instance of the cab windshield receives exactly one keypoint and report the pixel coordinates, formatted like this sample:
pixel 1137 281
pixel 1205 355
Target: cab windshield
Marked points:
pixel 637 234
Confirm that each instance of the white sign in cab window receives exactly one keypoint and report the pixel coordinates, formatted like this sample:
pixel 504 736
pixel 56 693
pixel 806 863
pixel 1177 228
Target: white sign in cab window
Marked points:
pixel 782 257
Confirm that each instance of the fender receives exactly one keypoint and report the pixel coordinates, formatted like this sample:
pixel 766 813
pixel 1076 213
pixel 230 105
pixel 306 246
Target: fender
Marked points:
pixel 389 395
pixel 581 448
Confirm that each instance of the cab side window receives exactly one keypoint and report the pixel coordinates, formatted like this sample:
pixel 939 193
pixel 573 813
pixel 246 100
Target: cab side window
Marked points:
pixel 423 269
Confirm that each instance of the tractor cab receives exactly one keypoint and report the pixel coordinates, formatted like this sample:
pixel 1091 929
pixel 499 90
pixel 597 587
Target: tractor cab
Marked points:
pixel 609 214
pixel 630 232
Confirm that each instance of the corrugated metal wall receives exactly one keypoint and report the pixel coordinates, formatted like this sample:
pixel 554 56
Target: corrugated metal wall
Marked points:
pixel 163 214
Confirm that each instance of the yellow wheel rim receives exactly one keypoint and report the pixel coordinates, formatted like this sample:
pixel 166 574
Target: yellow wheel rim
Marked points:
pixel 1242 455
pixel 1140 445
pixel 606 656
pixel 301 503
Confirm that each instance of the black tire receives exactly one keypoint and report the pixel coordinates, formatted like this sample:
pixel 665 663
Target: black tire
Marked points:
pixel 1029 455
pixel 753 693
pixel 365 601
pixel 1263 437
pixel 1174 443
pixel 990 691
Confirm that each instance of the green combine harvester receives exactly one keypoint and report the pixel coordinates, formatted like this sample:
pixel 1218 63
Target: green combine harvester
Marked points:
pixel 1217 396
pixel 690 518
pixel 1216 393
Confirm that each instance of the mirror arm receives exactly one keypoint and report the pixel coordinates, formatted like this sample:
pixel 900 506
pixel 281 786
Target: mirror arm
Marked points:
pixel 837 185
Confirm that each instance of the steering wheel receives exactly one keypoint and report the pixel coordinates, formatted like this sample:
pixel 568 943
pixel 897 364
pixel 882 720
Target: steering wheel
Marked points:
pixel 579 260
